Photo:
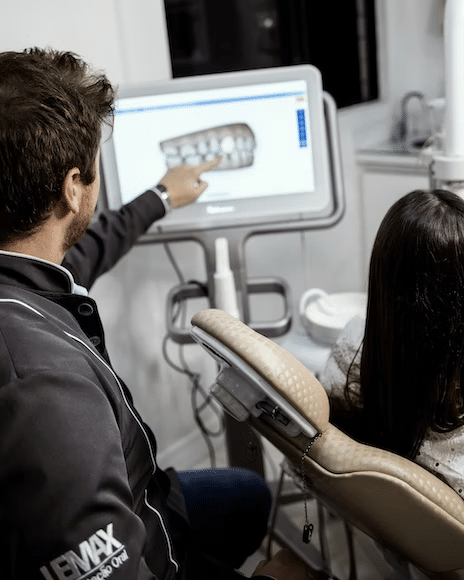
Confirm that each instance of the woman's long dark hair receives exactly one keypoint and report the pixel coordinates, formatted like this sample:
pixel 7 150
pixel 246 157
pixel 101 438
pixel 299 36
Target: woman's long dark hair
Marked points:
pixel 413 348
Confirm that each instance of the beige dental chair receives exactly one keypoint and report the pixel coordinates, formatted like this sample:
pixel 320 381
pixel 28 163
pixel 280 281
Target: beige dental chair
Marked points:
pixel 408 511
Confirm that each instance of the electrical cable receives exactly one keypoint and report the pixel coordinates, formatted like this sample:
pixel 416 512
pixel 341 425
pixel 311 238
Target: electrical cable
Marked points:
pixel 173 262
pixel 196 388
pixel 197 409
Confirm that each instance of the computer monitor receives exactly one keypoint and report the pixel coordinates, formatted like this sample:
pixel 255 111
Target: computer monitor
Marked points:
pixel 268 126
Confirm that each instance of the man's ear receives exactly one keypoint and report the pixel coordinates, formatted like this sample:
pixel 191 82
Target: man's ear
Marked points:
pixel 72 190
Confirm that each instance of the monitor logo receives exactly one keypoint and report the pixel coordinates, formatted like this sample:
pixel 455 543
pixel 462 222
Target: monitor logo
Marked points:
pixel 213 209
pixel 97 558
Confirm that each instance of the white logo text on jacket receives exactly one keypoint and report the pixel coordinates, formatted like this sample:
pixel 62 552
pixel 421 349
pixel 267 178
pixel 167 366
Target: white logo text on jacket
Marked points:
pixel 97 558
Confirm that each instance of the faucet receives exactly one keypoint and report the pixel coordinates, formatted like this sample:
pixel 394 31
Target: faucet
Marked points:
pixel 401 129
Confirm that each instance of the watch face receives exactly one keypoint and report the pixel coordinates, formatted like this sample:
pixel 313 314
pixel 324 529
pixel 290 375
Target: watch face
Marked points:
pixel 161 188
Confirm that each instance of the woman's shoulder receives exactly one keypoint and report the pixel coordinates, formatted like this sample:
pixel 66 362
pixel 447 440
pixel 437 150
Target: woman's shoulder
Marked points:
pixel 347 348
pixel 442 454
pixel 354 331
pixel 344 357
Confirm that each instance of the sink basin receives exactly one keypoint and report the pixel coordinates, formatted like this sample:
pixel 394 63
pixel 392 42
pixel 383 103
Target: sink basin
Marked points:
pixel 406 147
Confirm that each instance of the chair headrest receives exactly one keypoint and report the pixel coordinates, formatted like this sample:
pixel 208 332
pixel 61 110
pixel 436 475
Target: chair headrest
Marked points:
pixel 278 367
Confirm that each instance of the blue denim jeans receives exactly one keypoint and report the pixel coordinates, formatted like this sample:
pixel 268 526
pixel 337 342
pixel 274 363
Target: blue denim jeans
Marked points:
pixel 228 510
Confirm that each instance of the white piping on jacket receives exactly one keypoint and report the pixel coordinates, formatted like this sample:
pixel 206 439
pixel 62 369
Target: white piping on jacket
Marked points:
pixel 168 539
pixel 12 300
pixel 107 366
pixel 75 288
pixel 163 525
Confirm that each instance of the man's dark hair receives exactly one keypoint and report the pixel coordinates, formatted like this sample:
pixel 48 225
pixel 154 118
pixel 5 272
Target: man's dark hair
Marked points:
pixel 52 106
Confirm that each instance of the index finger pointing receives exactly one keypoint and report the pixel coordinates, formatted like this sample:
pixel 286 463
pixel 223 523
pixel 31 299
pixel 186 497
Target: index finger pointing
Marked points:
pixel 207 165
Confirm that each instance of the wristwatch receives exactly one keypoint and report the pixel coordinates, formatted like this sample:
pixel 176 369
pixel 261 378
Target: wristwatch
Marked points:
pixel 163 194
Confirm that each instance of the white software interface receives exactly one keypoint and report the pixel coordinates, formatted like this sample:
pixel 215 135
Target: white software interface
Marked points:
pixel 262 133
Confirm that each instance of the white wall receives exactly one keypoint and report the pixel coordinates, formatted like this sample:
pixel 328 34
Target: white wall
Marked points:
pixel 127 38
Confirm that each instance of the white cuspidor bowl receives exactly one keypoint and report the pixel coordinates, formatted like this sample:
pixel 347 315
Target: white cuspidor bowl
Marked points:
pixel 324 316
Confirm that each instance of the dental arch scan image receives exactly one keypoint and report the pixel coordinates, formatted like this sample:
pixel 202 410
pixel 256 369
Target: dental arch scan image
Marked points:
pixel 235 144
pixel 258 129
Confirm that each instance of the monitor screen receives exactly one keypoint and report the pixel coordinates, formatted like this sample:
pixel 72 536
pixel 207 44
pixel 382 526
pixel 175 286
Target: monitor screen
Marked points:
pixel 267 126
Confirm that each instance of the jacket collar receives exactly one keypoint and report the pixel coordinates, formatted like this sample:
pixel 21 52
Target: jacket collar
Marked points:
pixel 35 273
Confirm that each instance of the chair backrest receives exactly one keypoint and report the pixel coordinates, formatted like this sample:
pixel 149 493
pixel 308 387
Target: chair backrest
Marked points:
pixel 395 501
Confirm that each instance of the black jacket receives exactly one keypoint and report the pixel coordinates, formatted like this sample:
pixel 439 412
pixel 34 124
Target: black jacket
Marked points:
pixel 81 496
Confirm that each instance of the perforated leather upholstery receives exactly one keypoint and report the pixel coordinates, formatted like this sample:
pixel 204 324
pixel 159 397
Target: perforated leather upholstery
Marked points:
pixel 269 360
pixel 392 499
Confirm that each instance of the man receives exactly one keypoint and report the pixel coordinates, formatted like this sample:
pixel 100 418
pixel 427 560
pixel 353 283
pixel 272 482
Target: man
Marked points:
pixel 81 494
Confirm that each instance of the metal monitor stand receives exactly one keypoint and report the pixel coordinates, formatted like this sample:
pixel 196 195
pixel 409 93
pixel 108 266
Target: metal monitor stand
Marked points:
pixel 243 445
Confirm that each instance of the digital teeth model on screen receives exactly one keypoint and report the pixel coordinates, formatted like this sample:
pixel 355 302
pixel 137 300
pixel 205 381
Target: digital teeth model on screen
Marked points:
pixel 235 142
pixel 268 127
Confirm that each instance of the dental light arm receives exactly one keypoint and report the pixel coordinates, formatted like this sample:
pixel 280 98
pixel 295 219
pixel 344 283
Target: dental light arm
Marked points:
pixel 448 165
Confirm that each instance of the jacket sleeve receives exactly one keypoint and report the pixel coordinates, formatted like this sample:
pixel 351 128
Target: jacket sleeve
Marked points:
pixel 66 508
pixel 111 236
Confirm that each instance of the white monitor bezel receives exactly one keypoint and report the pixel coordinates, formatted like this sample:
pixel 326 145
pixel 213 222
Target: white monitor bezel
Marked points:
pixel 250 212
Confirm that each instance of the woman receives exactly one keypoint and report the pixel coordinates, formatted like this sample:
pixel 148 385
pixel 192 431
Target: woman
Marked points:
pixel 399 387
